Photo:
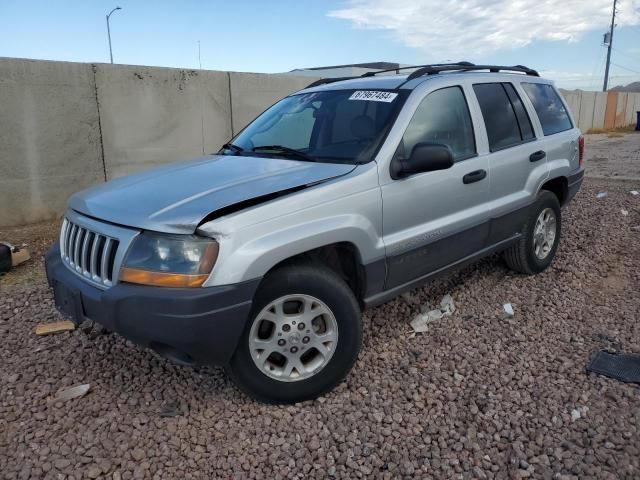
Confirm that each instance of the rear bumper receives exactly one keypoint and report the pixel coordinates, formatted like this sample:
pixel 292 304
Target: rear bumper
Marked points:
pixel 574 181
pixel 187 325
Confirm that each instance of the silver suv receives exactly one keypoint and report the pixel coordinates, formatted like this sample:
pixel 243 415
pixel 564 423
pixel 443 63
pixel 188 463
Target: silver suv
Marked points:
pixel 337 198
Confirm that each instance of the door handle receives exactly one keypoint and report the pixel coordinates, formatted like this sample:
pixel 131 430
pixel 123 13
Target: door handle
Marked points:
pixel 539 155
pixel 475 176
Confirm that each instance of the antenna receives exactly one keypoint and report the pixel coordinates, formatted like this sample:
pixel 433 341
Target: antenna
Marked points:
pixel 609 46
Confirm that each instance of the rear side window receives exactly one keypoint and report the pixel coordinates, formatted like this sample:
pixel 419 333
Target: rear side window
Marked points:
pixel 504 115
pixel 550 109
pixel 442 117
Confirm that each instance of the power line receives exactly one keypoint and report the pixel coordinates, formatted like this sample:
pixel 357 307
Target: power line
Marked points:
pixel 599 63
pixel 632 57
pixel 625 68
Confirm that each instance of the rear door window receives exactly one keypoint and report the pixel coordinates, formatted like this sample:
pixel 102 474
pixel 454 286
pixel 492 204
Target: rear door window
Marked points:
pixel 549 107
pixel 505 118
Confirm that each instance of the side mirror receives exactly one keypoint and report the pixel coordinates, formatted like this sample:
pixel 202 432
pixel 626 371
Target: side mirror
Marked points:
pixel 425 157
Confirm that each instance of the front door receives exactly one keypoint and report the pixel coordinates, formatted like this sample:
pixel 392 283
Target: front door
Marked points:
pixel 433 219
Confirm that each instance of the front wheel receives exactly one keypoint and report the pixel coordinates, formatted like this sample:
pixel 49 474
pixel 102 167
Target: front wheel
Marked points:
pixel 302 338
pixel 540 236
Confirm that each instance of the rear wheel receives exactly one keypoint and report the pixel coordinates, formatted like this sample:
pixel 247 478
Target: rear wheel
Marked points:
pixel 540 236
pixel 302 338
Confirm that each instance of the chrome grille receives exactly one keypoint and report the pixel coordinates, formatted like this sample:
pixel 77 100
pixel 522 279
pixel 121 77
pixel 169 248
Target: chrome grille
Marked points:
pixel 88 253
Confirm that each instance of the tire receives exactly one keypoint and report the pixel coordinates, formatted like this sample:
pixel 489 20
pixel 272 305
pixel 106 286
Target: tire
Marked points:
pixel 298 289
pixel 522 256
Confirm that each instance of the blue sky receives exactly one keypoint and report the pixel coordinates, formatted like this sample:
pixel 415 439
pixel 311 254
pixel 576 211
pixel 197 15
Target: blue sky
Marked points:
pixel 562 38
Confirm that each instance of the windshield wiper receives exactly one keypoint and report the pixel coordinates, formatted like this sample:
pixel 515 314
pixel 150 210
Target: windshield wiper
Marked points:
pixel 279 149
pixel 231 146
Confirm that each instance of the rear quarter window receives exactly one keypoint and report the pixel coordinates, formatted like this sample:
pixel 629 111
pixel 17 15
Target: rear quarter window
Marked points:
pixel 551 111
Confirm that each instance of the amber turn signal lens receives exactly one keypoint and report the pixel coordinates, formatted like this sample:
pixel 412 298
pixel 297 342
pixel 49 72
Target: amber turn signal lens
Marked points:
pixel 161 279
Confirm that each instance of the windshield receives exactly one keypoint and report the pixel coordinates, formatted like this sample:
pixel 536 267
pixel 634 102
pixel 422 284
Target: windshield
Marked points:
pixel 344 126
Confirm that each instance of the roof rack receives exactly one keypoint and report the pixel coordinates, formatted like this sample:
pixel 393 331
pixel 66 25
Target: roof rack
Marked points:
pixel 324 81
pixel 408 67
pixel 433 69
pixel 466 66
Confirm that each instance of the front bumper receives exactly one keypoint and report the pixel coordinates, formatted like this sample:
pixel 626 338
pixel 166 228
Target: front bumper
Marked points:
pixel 187 325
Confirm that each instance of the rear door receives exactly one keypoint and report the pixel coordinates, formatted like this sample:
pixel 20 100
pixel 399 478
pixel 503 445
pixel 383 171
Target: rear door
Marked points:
pixel 516 160
pixel 432 219
pixel 556 128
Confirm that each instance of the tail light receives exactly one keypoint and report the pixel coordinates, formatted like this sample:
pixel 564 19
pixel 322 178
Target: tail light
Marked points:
pixel 580 150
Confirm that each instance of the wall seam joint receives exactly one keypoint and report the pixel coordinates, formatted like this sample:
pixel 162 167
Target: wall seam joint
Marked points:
pixel 95 86
pixel 230 103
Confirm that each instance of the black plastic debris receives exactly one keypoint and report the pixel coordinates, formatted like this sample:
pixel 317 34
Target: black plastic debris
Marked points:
pixel 620 366
pixel 169 411
pixel 5 258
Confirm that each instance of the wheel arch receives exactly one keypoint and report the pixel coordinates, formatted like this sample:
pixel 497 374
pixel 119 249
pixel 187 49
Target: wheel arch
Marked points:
pixel 559 186
pixel 343 258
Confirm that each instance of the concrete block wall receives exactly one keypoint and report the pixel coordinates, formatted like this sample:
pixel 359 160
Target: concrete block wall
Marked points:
pixel 599 110
pixel 602 109
pixel 252 93
pixel 65 126
pixel 49 137
pixel 151 116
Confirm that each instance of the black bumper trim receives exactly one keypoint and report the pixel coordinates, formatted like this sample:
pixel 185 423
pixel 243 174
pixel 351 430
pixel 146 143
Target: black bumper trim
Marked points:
pixel 200 324
pixel 574 182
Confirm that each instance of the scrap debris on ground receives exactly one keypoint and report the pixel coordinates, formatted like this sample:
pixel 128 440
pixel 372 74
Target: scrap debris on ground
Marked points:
pixel 508 310
pixel 421 322
pixel 54 327
pixel 621 366
pixel 12 256
pixel 578 413
pixel 70 393
pixel 476 396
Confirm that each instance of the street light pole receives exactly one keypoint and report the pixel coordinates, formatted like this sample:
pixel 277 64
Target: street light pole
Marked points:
pixel 109 32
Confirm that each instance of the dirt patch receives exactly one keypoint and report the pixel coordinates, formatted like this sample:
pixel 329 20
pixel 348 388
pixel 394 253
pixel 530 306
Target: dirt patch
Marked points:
pixel 613 155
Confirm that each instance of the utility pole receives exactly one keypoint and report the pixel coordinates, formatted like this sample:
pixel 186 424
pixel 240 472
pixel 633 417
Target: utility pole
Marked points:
pixel 613 24
pixel 109 32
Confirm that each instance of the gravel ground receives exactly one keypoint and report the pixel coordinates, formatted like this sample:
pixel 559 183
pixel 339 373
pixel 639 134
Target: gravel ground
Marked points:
pixel 613 154
pixel 478 396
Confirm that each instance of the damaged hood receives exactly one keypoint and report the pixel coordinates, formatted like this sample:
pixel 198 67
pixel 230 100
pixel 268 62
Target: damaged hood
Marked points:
pixel 177 197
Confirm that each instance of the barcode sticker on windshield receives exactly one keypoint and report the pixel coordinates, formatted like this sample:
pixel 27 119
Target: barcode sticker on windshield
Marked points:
pixel 373 96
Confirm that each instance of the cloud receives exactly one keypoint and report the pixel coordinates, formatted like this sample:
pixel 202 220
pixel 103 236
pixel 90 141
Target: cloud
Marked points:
pixel 445 28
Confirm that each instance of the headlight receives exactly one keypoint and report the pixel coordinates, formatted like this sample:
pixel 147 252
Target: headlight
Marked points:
pixel 169 260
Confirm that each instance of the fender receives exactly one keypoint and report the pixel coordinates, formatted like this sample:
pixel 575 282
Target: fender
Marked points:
pixel 253 241
pixel 279 246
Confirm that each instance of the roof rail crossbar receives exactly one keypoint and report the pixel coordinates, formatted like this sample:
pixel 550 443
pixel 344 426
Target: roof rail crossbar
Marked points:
pixel 408 67
pixel 324 81
pixel 434 69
